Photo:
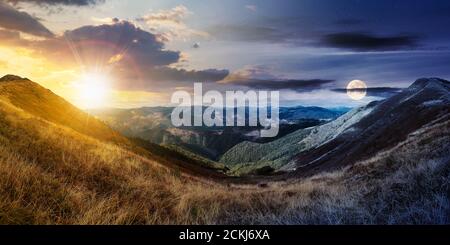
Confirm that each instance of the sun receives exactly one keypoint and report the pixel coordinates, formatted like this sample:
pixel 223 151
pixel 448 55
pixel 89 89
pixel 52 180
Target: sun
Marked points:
pixel 94 89
pixel 357 90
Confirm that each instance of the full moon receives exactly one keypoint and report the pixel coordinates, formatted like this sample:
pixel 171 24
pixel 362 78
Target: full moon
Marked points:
pixel 356 90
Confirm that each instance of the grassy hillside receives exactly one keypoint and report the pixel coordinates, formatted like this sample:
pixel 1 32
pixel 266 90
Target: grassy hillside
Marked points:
pixel 54 174
pixel 41 102
pixel 37 101
pixel 408 184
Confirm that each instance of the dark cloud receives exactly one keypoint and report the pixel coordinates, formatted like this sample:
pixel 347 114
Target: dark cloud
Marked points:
pixel 9 36
pixel 12 38
pixel 306 24
pixel 125 38
pixel 384 92
pixel 367 42
pixel 172 74
pixel 135 57
pixel 341 33
pixel 254 33
pixel 12 19
pixel 291 84
pixel 58 2
pixel 263 77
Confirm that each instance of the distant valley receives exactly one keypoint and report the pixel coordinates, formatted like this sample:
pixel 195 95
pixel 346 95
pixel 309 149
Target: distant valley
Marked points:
pixel 153 124
pixel 311 139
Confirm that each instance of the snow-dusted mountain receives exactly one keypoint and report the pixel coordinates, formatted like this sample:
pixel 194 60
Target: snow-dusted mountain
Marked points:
pixel 354 136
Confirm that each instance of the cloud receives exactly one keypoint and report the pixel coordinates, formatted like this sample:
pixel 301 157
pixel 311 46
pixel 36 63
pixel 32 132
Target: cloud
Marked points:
pixel 366 42
pixel 12 38
pixel 107 20
pixel 12 19
pixel 287 31
pixel 58 2
pixel 262 77
pixel 172 16
pixel 170 23
pixel 136 58
pixel 183 75
pixel 122 36
pixel 290 84
pixel 272 31
pixel 248 33
pixel 8 36
pixel 252 72
pixel 383 92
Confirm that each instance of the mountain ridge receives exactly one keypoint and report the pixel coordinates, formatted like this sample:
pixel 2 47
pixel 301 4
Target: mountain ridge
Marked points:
pixel 53 174
pixel 327 146
pixel 153 124
pixel 391 121
pixel 11 78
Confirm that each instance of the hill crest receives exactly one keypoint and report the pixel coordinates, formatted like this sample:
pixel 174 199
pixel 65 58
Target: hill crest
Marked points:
pixel 359 134
pixel 43 103
pixel 12 78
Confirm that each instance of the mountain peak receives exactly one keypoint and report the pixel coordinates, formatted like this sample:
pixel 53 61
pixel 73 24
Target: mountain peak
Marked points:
pixel 11 78
pixel 427 82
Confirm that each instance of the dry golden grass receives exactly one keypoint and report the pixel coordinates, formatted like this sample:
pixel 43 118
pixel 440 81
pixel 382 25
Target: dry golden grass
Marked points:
pixel 50 174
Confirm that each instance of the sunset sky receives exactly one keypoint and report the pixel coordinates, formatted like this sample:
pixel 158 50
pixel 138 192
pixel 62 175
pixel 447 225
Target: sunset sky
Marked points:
pixel 137 53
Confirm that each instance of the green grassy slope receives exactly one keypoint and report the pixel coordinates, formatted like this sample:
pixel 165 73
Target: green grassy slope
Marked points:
pixel 249 156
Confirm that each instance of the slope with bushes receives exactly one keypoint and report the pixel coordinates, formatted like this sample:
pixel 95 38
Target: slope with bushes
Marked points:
pixel 355 136
pixel 248 156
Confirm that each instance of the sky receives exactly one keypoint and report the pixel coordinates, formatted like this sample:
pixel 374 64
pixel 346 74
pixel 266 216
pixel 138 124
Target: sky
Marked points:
pixel 112 53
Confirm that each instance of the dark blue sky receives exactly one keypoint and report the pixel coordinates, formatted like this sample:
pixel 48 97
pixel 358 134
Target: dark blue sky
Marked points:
pixel 387 43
